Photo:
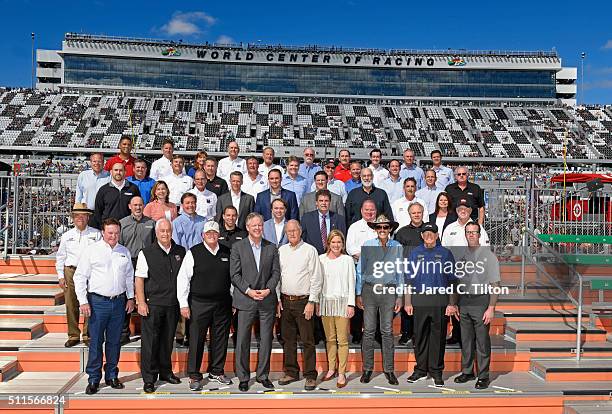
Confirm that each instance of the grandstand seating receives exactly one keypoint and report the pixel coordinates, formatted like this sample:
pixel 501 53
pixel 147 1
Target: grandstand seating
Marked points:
pixel 46 119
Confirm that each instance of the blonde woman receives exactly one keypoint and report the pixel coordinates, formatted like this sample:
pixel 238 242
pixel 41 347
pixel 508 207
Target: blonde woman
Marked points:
pixel 159 207
pixel 337 304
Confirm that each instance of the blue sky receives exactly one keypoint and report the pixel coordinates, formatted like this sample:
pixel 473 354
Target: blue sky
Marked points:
pixel 565 26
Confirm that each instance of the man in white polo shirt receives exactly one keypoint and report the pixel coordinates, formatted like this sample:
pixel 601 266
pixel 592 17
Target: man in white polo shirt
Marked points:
pixel 178 182
pixel 400 207
pixel 454 234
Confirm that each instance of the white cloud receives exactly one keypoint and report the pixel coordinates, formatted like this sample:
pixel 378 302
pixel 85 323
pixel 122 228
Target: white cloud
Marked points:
pixel 608 44
pixel 225 40
pixel 187 24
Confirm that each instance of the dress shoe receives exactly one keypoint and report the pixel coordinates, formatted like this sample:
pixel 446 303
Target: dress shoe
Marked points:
pixel 186 342
pixel 416 377
pixel 366 377
pixel 328 377
pixel 404 339
pixel 125 340
pixel 438 382
pixel 179 341
pixel 171 379
pixel 243 386
pixel 92 389
pixel 86 342
pixel 482 383
pixel 463 378
pixel 391 378
pixel 71 342
pixel 341 384
pixel 287 379
pixel 114 383
pixel 266 383
pixel 310 384
pixel 149 387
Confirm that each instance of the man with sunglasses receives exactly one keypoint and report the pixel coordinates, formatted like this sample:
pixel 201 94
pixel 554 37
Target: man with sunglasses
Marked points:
pixel 308 168
pixel 333 184
pixel 377 295
pixel 471 191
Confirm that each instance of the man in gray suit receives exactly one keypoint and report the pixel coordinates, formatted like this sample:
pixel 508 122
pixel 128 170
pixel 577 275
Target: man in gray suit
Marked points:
pixel 255 272
pixel 274 229
pixel 309 201
pixel 242 201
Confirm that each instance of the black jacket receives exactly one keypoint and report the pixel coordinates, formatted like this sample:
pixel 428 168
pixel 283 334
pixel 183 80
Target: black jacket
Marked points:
pixel 112 203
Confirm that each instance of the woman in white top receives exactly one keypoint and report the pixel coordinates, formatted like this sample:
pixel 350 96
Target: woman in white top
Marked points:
pixel 337 304
pixel 444 213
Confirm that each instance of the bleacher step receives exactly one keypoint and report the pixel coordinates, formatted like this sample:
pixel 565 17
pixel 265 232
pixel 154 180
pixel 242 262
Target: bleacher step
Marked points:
pixel 588 407
pixel 9 368
pixel 586 369
pixel 24 296
pixel 21 328
pixel 551 331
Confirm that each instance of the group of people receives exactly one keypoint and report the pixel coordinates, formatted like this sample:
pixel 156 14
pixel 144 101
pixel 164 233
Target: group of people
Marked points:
pixel 238 244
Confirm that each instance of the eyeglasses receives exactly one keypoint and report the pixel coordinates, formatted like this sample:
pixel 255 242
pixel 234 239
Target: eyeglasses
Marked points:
pixel 472 232
pixel 309 155
pixel 383 227
pixel 460 174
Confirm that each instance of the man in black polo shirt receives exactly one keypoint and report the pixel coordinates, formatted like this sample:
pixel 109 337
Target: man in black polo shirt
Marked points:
pixel 156 273
pixel 203 291
pixel 410 237
pixel 214 183
pixel 471 191
pixel 367 191
pixel 113 198
pixel 229 232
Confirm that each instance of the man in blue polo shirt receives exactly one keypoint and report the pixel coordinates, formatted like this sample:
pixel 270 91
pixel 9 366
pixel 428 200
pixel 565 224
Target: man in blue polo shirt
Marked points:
pixel 140 180
pixel 431 278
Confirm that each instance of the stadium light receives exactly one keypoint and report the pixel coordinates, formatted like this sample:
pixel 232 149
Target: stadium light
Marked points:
pixel 582 56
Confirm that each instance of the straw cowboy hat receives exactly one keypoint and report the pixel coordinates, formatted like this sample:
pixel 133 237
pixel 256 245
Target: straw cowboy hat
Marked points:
pixel 81 208
pixel 382 219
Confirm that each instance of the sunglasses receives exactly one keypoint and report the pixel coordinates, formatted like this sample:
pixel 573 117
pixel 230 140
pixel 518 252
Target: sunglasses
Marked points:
pixel 383 227
pixel 460 174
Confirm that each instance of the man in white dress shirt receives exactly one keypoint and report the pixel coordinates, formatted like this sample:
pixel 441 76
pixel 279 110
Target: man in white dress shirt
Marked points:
pixel 90 181
pixel 231 163
pixel 206 200
pixel 380 173
pixel 400 207
pixel 444 175
pixel 104 284
pixel 72 245
pixel 254 182
pixel 268 162
pixel 178 182
pixel 162 167
pixel 393 184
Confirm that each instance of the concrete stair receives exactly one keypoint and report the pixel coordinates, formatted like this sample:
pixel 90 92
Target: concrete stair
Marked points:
pixel 587 369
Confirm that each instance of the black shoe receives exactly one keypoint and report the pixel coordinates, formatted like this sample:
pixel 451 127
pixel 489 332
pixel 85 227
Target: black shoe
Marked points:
pixel 357 338
pixel 186 342
pixel 416 377
pixel 464 378
pixel 366 377
pixel 114 383
pixel 149 387
pixel 234 340
pixel 125 340
pixel 243 386
pixel 179 341
pixel 172 379
pixel 266 383
pixel 438 382
pixel 391 378
pixel 482 383
pixel 453 341
pixel 92 389
pixel 86 342
pixel 71 342
pixel 404 339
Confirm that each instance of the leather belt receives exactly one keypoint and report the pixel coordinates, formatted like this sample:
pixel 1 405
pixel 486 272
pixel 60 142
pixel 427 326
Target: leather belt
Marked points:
pixel 71 267
pixel 107 297
pixel 294 297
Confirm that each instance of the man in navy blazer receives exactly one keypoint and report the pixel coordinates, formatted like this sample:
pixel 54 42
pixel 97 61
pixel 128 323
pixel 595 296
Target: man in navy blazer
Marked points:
pixel 311 222
pixel 263 204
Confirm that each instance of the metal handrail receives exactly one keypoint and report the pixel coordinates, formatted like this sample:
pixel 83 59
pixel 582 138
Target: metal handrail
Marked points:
pixel 528 236
pixel 4 230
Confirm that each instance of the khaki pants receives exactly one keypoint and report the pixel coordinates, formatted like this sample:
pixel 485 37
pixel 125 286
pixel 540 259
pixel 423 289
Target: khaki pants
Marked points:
pixel 336 334
pixel 72 307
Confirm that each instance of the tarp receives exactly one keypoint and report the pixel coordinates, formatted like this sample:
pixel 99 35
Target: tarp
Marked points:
pixel 581 178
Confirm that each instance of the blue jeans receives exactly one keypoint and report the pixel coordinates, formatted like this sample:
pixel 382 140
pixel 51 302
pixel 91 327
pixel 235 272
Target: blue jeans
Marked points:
pixel 105 324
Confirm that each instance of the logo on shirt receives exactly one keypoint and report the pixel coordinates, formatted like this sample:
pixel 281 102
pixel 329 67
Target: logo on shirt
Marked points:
pixel 224 259
pixel 177 257
pixel 129 194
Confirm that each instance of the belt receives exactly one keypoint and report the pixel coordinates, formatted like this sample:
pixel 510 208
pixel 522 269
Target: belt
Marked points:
pixel 294 297
pixel 70 267
pixel 121 295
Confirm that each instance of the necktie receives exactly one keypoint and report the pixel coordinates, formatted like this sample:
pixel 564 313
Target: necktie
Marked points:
pixel 324 232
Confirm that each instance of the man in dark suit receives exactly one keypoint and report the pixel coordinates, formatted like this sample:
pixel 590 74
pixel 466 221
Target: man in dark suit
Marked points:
pixel 255 272
pixel 309 201
pixel 313 231
pixel 242 201
pixel 263 204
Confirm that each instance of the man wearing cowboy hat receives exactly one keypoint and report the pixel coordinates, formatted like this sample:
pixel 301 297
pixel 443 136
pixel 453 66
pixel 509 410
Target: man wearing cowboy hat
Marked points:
pixel 377 295
pixel 72 245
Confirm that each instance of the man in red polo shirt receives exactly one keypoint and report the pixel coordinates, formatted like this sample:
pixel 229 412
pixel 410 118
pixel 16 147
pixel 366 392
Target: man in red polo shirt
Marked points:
pixel 343 170
pixel 124 156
